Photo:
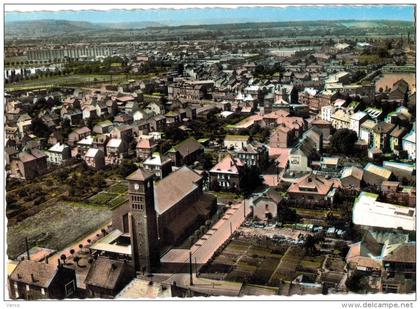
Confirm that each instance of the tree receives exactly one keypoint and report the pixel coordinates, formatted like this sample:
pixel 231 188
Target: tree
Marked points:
pixel 294 96
pixel 72 251
pixel 287 215
pixel 76 259
pixel 63 257
pixel 39 128
pixel 358 282
pixel 127 167
pixel 343 141
pixel 250 179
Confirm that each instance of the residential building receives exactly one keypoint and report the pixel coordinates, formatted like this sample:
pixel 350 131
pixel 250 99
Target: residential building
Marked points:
pixel 95 158
pixel 159 165
pixel 107 277
pixel 265 206
pixel 409 144
pixel 58 153
pixel 145 147
pixel 374 175
pixel 236 141
pixel 312 188
pixel 226 174
pixel 28 165
pixel 32 280
pixel 186 152
pixel 351 178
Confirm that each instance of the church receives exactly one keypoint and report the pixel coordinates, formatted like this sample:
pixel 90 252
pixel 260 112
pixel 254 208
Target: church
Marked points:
pixel 162 215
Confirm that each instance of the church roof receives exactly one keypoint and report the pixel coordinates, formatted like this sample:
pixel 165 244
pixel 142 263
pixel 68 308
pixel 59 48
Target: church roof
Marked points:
pixel 140 175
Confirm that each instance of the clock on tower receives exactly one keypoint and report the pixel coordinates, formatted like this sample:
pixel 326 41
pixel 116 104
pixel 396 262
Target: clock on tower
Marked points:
pixel 143 221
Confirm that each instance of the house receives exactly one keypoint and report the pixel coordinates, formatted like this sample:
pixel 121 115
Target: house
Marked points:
pixel 236 141
pixel 123 119
pixel 155 108
pixel 58 153
pixel 301 155
pixel 323 127
pixel 226 173
pixel 365 255
pixel 186 152
pixel 95 158
pixel 356 120
pixel 142 115
pixel 32 280
pixel 351 178
pixel 282 137
pixel 367 130
pixel 103 127
pixel 255 154
pixel 115 149
pixel 24 123
pixel 395 141
pixel 402 171
pixel 28 165
pixel 409 144
pixel 312 188
pixel 100 141
pixel 107 277
pixel 157 123
pixel 369 212
pixel 78 134
pixel 158 165
pixel 381 135
pixel 374 175
pixel 265 206
pixel 340 119
pixel 88 112
pixel 145 147
pixel 84 144
pixel 400 269
pixel 399 91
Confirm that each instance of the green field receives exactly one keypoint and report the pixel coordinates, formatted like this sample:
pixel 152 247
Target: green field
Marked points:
pixel 55 227
pixel 71 80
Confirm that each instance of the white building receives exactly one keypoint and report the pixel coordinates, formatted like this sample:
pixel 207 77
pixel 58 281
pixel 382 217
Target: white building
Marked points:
pixel 356 120
pixel 58 153
pixel 367 211
pixel 409 143
pixel 326 112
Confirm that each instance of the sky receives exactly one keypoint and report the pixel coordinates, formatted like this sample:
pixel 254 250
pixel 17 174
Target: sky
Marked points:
pixel 193 16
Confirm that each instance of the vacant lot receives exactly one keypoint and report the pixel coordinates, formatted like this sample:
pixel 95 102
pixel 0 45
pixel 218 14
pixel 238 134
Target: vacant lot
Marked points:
pixel 55 227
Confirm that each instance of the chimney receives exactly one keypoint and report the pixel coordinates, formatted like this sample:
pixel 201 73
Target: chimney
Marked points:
pixel 46 259
pixel 33 278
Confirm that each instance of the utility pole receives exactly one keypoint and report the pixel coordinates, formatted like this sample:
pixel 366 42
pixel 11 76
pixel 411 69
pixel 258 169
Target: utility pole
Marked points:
pixel 191 270
pixel 27 248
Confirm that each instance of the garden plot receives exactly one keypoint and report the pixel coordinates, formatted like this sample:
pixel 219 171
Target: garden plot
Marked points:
pixel 245 260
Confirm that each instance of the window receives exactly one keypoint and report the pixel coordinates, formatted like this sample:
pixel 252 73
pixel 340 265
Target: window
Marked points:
pixel 69 288
pixel 42 291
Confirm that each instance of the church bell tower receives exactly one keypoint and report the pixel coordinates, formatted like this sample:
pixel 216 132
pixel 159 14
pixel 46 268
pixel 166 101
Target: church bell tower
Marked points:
pixel 143 222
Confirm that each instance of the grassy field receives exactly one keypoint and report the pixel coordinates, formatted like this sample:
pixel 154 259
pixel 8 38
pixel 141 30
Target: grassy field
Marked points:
pixel 72 80
pixel 55 227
